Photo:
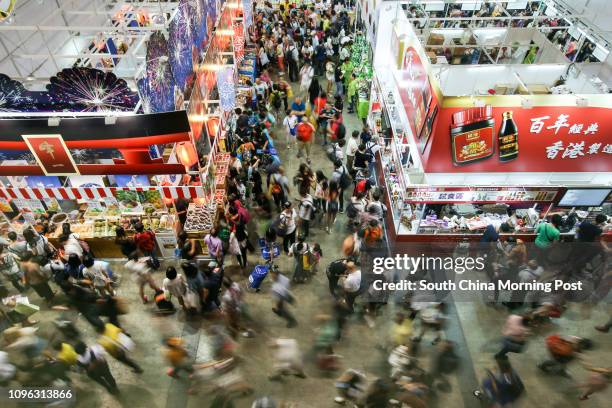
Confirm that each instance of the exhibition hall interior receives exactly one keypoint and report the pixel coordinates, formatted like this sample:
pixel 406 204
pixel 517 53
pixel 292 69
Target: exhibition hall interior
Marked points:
pixel 305 203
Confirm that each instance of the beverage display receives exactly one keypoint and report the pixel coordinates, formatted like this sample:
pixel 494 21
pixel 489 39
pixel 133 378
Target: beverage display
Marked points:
pixel 472 135
pixel 507 141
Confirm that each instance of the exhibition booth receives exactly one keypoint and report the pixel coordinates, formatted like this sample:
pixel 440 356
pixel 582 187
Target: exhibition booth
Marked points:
pixel 165 166
pixel 460 155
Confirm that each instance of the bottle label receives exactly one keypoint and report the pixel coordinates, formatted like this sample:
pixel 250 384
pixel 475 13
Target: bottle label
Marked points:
pixel 508 145
pixel 473 145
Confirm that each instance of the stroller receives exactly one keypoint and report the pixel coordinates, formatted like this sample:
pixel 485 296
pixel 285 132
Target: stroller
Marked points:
pixel 268 253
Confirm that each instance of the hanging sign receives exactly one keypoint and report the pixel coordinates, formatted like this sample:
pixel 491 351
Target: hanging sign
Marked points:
pixel 52 154
pixel 247 12
pixel 227 91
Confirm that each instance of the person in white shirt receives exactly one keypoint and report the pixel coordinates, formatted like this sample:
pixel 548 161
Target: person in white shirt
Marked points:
pixel 281 295
pixel 330 75
pixel 306 75
pixel 142 274
pixel 263 58
pixel 287 359
pixel 306 212
pixel 351 283
pixel 351 148
pixel 96 272
pixel 288 220
pixel 307 51
pixel 344 53
pixel 93 360
pixel 289 123
pixel 71 245
pixel 174 285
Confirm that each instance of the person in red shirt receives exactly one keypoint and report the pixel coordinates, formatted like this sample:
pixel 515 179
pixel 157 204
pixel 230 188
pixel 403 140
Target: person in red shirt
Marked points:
pixel 304 132
pixel 319 103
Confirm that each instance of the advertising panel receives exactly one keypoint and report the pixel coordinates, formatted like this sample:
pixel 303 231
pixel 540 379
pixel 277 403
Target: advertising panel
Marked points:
pixel 517 139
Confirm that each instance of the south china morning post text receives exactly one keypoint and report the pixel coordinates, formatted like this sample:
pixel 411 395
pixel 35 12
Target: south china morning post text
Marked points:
pixel 459 265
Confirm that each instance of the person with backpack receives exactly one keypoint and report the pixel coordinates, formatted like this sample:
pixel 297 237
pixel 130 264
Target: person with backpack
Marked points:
pixel 363 158
pixel 377 207
pixel 9 268
pixel 501 389
pixel 343 179
pixel 286 225
pixel 301 253
pixel 306 212
pixel 356 206
pixel 335 270
pixel 291 58
pixel 304 134
pixel 290 123
pixel 372 235
pixel 562 349
pixel 93 360
pixel 325 116
pixel 145 242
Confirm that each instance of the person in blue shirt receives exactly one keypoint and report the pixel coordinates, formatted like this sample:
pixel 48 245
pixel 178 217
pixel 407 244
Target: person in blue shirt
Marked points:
pixel 298 108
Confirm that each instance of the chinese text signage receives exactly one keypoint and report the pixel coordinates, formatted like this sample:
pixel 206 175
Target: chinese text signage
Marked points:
pixel 544 139
pixel 52 154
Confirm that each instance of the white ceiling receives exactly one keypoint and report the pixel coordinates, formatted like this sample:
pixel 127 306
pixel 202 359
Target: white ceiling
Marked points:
pixel 45 36
pixel 598 13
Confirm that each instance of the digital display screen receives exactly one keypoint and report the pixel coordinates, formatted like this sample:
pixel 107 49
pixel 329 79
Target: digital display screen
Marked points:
pixel 584 197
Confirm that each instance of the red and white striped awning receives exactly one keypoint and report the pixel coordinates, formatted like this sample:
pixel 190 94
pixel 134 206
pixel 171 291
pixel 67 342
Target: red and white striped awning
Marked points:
pixel 95 193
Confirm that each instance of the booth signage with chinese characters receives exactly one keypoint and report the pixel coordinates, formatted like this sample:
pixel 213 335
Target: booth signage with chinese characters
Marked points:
pixel 51 154
pixel 544 139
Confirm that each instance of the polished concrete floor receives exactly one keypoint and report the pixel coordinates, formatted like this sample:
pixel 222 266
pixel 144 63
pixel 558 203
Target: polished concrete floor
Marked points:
pixel 474 327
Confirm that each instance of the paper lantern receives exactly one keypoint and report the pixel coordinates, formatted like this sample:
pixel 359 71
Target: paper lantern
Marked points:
pixel 212 126
pixel 186 154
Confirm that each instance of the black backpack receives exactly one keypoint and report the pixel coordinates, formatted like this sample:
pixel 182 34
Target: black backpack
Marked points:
pixel 345 179
pixel 352 211
pixel 341 131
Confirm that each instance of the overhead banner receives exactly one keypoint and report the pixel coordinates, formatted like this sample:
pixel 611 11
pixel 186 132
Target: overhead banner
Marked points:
pixel 238 40
pixel 52 154
pixel 227 91
pixel 247 12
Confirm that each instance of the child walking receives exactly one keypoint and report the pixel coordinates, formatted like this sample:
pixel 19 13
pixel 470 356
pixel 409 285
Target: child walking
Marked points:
pixel 290 124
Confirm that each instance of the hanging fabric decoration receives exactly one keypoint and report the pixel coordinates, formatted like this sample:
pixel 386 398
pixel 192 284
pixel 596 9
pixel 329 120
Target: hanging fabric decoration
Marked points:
pixel 247 12
pixel 238 40
pixel 227 91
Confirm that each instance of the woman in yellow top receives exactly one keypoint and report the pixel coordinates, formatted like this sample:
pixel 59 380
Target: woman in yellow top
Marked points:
pixel 401 331
pixel 118 344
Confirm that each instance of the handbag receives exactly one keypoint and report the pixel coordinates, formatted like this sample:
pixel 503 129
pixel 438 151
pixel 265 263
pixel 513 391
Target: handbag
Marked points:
pixel 279 226
pixel 192 300
pixel 234 245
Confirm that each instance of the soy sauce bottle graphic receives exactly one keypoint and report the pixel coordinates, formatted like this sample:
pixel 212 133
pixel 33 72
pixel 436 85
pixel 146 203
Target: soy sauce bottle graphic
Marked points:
pixel 507 140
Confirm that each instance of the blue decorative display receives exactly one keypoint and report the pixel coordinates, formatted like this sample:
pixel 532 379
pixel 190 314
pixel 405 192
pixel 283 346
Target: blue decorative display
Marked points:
pixel 226 88
pixel 179 45
pixel 247 12
pixel 157 89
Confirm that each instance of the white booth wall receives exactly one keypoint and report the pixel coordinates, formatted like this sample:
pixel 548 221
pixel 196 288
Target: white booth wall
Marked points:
pixel 462 80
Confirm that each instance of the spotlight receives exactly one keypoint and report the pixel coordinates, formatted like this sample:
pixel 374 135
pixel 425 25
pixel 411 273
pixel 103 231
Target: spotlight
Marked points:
pixel 110 120
pixel 53 122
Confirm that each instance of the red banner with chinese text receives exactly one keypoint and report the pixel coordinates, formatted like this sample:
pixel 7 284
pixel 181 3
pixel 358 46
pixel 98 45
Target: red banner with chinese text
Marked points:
pixel 550 139
pixel 52 154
